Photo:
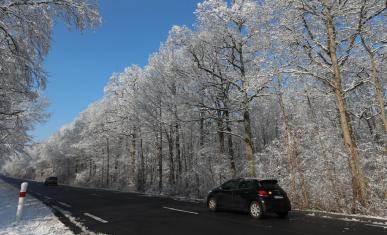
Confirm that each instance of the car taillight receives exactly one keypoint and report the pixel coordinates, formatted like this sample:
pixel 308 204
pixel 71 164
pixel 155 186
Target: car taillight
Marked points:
pixel 263 193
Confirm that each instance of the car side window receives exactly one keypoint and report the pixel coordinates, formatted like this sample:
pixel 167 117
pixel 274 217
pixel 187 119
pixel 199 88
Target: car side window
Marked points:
pixel 229 185
pixel 243 185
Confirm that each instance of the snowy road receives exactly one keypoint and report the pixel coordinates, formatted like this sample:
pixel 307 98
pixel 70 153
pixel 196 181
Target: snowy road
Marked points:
pixel 113 212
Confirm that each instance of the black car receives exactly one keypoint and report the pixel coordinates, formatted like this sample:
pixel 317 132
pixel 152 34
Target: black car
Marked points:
pixel 51 181
pixel 258 197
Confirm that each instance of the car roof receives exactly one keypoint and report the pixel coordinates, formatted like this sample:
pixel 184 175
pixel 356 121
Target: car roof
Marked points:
pixel 260 180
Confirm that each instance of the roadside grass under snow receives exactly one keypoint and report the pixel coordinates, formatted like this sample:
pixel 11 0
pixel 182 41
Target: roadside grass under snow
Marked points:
pixel 37 219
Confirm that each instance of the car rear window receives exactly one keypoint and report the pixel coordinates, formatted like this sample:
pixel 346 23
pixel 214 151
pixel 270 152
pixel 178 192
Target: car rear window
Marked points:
pixel 269 184
pixel 248 184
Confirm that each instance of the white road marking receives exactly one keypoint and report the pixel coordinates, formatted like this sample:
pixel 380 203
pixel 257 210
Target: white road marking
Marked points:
pixel 48 198
pixel 64 204
pixel 96 218
pixel 377 225
pixel 174 209
pixel 39 194
pixel 73 220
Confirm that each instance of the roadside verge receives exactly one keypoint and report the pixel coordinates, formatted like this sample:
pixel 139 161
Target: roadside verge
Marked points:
pixel 37 218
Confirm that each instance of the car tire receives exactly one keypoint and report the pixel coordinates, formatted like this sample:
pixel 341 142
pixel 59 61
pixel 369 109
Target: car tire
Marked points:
pixel 256 210
pixel 283 215
pixel 212 204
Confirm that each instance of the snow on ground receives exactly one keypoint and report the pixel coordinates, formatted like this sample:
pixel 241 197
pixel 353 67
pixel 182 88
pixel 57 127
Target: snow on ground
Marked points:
pixel 369 220
pixel 37 218
pixel 354 216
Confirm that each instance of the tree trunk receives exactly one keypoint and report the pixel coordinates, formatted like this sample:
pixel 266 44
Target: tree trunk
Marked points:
pixel 102 168
pixel 160 158
pixel 108 161
pixel 230 145
pixel 141 172
pixel 201 146
pixel 159 146
pixel 201 127
pixel 171 178
pixel 248 143
pixel 134 152
pixel 248 138
pixel 178 153
pixel 289 142
pixel 220 125
pixel 133 156
pixel 358 180
pixel 90 167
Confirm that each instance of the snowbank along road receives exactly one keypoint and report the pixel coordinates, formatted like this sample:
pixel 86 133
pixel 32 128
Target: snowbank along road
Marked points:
pixel 112 212
pixel 36 219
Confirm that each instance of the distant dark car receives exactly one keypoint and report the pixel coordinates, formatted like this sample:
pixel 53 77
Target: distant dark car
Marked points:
pixel 51 181
pixel 258 197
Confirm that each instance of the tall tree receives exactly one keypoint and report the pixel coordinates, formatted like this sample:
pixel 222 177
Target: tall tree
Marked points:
pixel 324 33
pixel 236 31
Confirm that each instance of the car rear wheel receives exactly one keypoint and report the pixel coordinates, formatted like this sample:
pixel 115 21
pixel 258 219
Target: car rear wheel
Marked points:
pixel 256 210
pixel 282 214
pixel 212 204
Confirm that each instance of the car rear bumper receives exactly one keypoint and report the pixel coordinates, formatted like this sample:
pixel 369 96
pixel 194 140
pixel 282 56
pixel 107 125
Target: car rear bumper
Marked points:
pixel 276 205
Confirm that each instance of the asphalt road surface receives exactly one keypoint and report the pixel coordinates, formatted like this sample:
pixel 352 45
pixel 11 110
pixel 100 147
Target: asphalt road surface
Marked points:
pixel 112 212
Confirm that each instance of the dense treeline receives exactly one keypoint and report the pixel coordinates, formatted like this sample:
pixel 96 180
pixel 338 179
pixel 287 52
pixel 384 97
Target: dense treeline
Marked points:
pixel 293 90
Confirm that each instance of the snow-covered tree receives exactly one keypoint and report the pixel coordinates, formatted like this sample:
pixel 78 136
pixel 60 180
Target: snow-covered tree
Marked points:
pixel 25 39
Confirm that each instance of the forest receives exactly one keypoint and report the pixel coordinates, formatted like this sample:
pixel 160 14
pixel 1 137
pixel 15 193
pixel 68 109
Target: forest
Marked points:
pixel 293 90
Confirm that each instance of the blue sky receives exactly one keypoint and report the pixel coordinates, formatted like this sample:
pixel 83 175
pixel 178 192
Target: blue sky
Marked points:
pixel 80 64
